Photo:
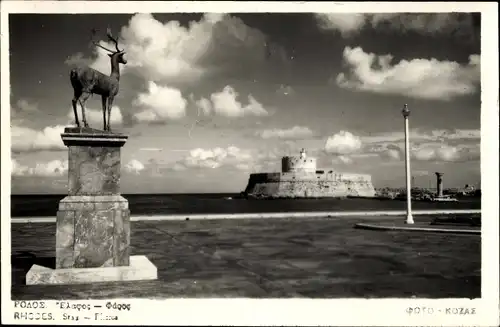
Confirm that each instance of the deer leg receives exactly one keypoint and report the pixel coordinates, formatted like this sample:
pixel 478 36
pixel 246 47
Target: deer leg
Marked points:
pixel 104 100
pixel 110 104
pixel 73 102
pixel 83 99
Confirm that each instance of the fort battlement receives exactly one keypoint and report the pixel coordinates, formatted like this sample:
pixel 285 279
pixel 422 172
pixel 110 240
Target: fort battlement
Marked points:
pixel 298 164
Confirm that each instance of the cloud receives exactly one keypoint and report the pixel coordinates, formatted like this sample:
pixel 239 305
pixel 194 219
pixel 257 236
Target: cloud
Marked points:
pixel 25 139
pixel 457 145
pixel 160 104
pixel 134 166
pixel 344 23
pixel 160 51
pixel 78 59
pixel 22 109
pixel 94 116
pixel 47 169
pixel 215 158
pixel 349 24
pixel 342 160
pixel 419 173
pixel 17 169
pixel 391 154
pixel 26 106
pixel 174 52
pixel 419 136
pixel 386 151
pixel 205 106
pixel 425 23
pixel 295 132
pixel 343 143
pixel 445 152
pixel 437 145
pixel 460 134
pixel 150 149
pixel 417 78
pixel 225 103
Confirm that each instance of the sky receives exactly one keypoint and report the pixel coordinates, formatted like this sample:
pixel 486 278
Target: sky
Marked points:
pixel 207 99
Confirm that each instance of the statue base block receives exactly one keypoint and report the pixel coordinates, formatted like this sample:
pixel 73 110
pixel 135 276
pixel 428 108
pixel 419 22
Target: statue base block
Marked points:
pixel 92 230
pixel 140 268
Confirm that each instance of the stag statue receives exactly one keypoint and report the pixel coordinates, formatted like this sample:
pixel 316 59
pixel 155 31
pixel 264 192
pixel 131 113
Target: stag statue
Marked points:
pixel 87 81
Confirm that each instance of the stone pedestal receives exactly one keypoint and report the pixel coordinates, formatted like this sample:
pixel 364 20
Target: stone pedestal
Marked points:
pixel 92 230
pixel 93 221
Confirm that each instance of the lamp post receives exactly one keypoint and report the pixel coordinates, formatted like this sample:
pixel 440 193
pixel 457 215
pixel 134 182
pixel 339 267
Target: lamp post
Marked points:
pixel 406 114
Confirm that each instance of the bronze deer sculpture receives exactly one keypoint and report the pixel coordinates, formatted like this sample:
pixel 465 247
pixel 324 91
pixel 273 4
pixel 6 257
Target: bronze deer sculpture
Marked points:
pixel 87 81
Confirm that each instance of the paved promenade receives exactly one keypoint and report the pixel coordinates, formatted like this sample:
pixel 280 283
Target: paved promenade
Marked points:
pixel 269 258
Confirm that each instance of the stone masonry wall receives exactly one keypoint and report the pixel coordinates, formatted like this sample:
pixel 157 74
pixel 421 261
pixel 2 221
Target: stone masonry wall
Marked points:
pixel 326 184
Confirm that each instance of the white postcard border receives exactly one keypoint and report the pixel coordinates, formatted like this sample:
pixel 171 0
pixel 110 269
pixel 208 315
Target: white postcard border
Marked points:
pixel 388 312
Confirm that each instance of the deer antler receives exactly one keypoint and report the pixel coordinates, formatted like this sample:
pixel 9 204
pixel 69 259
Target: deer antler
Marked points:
pixel 100 46
pixel 97 44
pixel 111 38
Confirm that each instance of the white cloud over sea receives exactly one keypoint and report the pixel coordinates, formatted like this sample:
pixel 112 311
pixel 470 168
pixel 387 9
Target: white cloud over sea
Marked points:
pixel 52 168
pixel 25 139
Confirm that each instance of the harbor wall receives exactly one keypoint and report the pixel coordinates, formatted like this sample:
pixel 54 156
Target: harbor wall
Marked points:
pixel 305 184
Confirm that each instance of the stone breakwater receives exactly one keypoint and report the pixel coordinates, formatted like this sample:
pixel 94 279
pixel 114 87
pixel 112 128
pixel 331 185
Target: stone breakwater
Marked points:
pixel 316 184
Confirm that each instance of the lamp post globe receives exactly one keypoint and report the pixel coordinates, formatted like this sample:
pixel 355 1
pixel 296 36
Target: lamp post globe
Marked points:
pixel 405 111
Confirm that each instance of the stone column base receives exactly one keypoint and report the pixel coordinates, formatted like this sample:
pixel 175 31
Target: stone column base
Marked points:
pixel 92 230
pixel 140 268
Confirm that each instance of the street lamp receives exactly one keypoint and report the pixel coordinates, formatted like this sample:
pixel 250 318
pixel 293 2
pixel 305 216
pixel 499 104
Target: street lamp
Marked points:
pixel 406 114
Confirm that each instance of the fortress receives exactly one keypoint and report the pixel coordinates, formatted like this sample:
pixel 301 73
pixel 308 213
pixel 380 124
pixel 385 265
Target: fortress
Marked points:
pixel 299 178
